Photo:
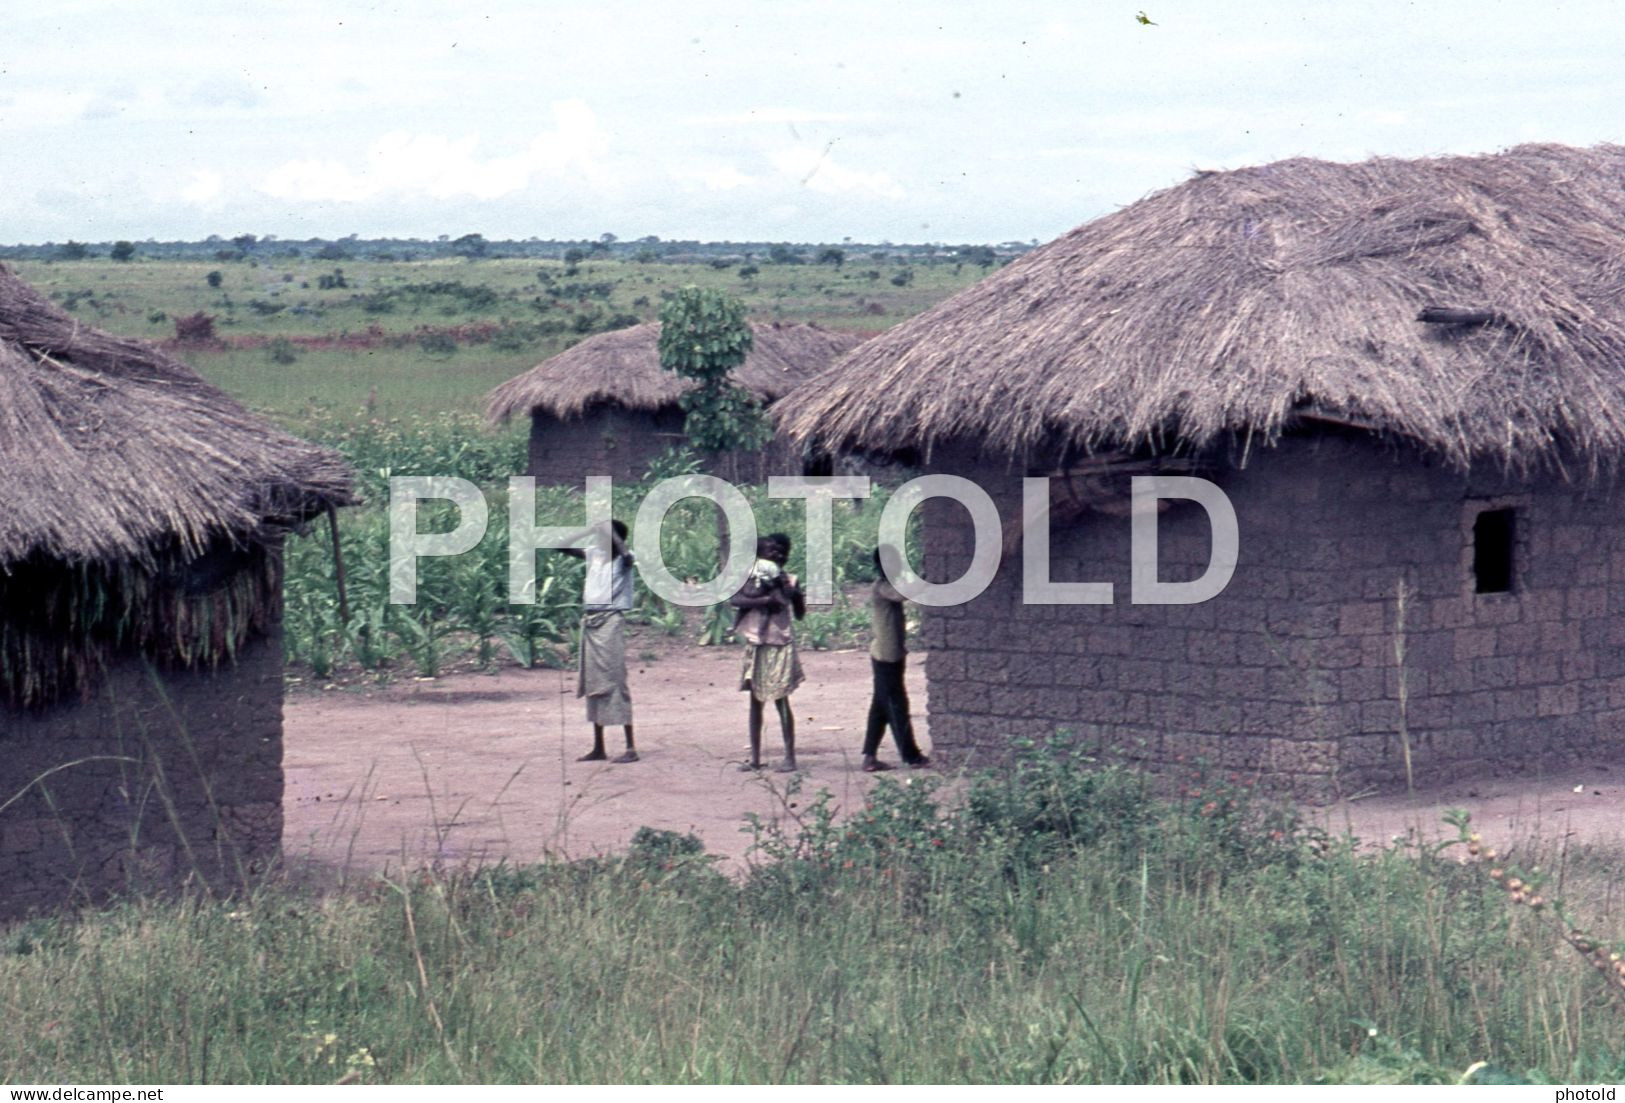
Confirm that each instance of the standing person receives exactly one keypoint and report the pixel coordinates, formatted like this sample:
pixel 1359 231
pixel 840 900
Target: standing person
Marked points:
pixel 772 670
pixel 888 655
pixel 601 670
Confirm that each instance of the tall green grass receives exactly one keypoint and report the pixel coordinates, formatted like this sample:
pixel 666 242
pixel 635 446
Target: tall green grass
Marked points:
pixel 1069 928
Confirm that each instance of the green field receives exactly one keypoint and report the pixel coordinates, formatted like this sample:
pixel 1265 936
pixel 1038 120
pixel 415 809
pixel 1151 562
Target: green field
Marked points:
pixel 430 336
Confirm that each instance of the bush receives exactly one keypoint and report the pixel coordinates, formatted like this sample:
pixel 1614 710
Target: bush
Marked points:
pixel 437 344
pixel 1053 795
pixel 282 351
pixel 195 329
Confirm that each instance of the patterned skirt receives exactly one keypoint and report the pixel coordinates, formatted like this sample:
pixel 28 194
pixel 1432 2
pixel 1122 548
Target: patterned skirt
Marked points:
pixel 771 672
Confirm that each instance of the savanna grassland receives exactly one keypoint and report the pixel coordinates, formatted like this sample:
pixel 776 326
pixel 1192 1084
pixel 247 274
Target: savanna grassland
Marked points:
pixel 432 336
pixel 1056 921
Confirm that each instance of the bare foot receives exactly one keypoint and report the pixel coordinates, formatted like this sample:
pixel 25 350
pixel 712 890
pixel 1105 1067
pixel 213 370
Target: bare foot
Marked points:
pixel 749 767
pixel 629 756
pixel 788 766
pixel 593 756
pixel 921 763
pixel 875 766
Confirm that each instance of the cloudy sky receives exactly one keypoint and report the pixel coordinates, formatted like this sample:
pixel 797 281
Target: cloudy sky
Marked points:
pixel 784 120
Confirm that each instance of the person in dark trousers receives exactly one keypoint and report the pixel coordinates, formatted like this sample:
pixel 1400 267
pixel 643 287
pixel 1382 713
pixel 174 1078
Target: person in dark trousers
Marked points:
pixel 888 655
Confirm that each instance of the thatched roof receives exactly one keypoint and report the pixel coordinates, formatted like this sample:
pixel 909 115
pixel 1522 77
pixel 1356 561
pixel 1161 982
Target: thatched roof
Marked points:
pixel 112 451
pixel 1253 301
pixel 622 368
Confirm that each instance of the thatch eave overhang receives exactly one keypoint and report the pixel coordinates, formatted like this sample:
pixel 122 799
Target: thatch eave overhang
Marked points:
pixel 112 451
pixel 1471 305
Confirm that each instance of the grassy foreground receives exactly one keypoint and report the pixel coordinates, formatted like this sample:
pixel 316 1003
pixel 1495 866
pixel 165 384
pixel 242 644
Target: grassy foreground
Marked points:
pixel 1057 925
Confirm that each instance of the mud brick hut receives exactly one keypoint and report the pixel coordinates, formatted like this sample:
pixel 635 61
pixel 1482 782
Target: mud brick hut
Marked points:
pixel 606 407
pixel 142 514
pixel 1409 379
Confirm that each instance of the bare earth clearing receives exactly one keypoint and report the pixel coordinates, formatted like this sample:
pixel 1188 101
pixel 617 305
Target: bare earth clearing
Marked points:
pixel 481 767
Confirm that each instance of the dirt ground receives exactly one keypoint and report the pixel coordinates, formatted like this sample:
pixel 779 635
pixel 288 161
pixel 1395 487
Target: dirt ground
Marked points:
pixel 481 767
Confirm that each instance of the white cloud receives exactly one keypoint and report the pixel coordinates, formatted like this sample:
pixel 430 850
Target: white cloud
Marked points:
pixel 205 187
pixel 817 169
pixel 782 115
pixel 716 177
pixel 440 167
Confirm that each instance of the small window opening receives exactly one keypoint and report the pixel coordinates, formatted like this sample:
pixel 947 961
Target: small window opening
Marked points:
pixel 1493 540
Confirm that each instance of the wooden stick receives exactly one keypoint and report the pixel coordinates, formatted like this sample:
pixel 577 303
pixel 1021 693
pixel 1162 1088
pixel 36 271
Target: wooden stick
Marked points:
pixel 338 562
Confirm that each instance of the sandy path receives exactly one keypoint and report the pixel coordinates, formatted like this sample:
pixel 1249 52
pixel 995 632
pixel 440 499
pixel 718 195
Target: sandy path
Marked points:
pixel 482 767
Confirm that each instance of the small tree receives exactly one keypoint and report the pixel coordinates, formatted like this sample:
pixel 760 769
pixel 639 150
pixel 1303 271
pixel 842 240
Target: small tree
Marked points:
pixel 704 337
pixel 122 250
pixel 72 250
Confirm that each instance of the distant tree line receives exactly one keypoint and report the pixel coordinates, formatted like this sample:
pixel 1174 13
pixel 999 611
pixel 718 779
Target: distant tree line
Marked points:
pixel 474 247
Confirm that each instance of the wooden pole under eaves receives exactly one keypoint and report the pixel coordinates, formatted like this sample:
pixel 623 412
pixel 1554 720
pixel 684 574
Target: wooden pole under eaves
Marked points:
pixel 338 562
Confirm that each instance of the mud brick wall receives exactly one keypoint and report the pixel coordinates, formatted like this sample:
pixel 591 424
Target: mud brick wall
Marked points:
pixel 622 444
pixel 151 786
pixel 1293 673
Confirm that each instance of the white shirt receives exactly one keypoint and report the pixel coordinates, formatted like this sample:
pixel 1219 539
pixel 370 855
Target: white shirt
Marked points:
pixel 609 583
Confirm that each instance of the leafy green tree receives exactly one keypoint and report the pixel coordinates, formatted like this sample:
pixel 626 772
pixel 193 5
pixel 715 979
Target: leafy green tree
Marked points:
pixel 214 278
pixel 123 250
pixel 831 255
pixel 704 337
pixel 72 250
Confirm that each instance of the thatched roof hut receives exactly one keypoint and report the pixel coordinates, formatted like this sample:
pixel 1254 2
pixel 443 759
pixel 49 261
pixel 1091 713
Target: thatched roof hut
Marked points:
pixel 1408 380
pixel 622 368
pixel 1469 304
pixel 141 522
pixel 606 406
pixel 116 452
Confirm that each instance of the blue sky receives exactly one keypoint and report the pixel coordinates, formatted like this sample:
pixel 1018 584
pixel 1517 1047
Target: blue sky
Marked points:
pixel 784 120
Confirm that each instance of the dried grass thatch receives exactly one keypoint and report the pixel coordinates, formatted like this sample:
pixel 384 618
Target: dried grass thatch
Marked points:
pixel 622 368
pixel 114 452
pixel 1249 302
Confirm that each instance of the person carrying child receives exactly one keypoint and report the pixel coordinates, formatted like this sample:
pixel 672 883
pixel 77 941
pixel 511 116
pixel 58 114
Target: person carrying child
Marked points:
pixel 772 670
